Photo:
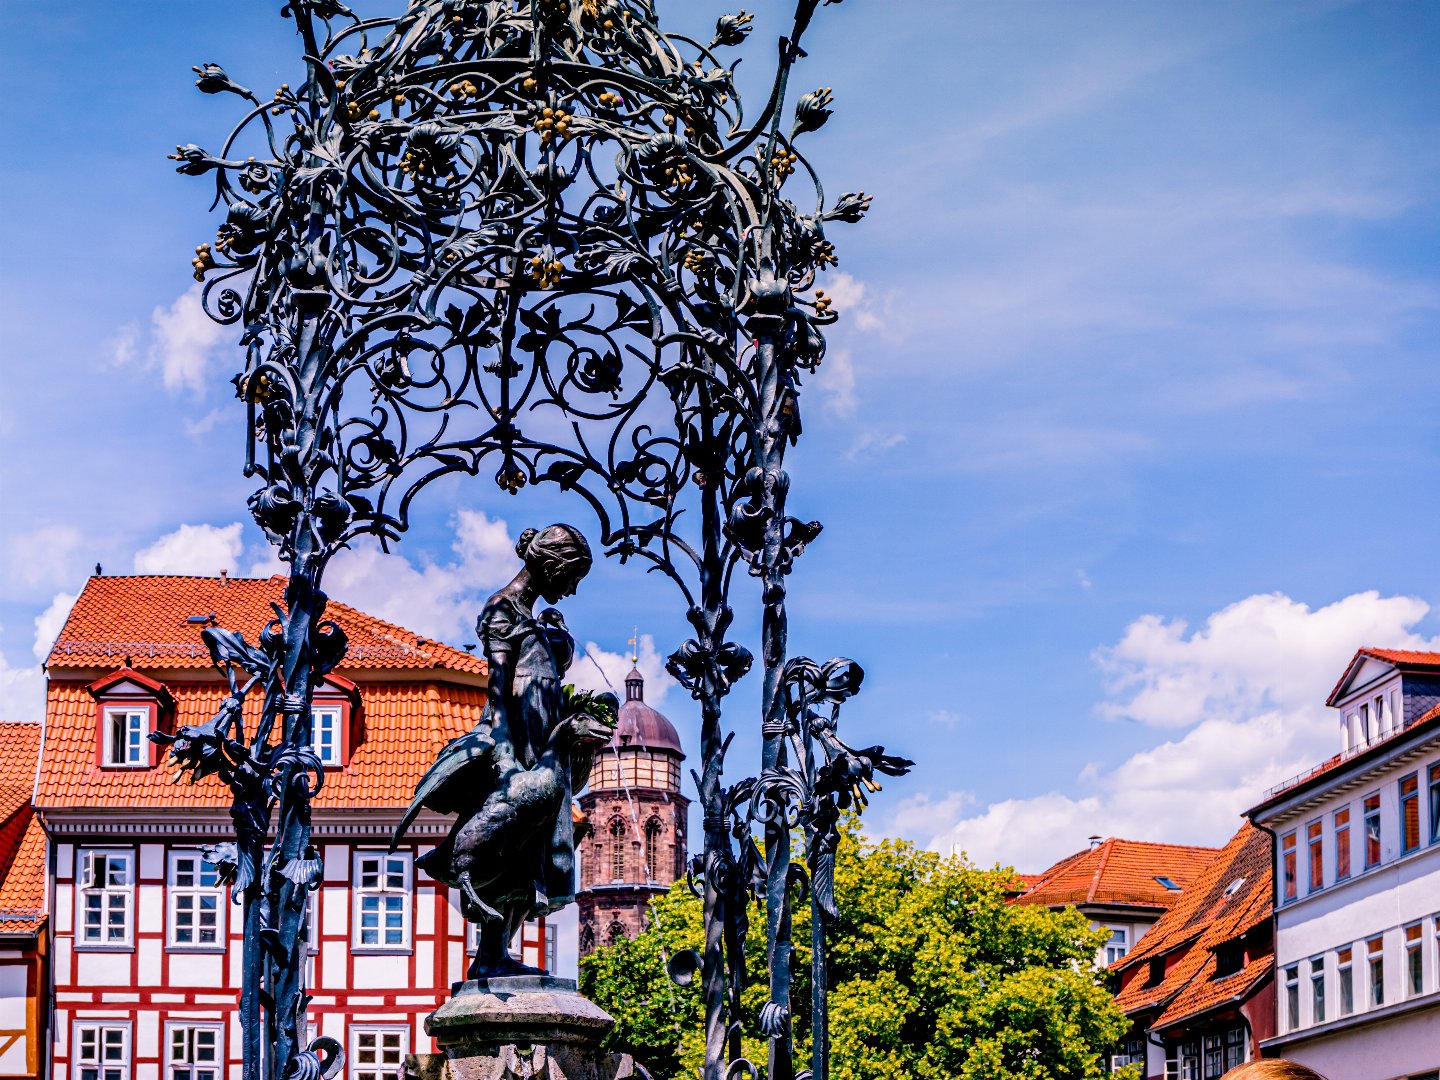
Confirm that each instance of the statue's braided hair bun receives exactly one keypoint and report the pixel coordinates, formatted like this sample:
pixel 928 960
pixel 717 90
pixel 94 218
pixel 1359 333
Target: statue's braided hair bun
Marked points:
pixel 523 544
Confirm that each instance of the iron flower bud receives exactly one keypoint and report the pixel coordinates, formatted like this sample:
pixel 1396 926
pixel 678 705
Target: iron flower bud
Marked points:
pixel 812 110
pixel 851 207
pixel 732 29
pixel 213 79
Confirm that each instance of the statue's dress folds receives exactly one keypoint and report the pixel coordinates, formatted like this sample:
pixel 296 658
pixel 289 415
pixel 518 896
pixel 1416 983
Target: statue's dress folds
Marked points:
pixel 506 769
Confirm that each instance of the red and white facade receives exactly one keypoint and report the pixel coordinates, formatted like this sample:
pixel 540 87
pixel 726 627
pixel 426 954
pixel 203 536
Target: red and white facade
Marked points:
pixel 146 945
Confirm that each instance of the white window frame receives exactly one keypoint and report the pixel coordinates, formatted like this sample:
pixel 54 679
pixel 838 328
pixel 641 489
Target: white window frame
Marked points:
pixel 84 889
pixel 1290 1016
pixel 377 1070
pixel 176 892
pixel 100 1069
pixel 137 750
pixel 382 890
pixel 1374 987
pixel 192 1070
pixel 1344 981
pixel 337 719
pixel 1414 952
pixel 1111 945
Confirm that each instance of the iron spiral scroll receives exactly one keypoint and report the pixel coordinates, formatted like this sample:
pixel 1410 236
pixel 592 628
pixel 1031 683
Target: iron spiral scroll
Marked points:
pixel 538 240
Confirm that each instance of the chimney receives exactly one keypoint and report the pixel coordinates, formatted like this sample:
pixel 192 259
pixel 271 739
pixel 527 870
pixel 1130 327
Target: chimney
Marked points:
pixel 1094 842
pixel 224 576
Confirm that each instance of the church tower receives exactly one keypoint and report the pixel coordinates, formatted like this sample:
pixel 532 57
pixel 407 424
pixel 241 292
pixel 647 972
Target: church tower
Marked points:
pixel 636 811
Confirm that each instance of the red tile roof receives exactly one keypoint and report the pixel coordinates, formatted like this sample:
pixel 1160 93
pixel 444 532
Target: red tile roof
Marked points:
pixel 141 621
pixel 1230 898
pixel 22 840
pixel 412 702
pixel 1122 872
pixel 404 726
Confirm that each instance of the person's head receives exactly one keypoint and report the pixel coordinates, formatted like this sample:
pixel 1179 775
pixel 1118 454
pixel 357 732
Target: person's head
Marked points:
pixel 557 557
pixel 1272 1069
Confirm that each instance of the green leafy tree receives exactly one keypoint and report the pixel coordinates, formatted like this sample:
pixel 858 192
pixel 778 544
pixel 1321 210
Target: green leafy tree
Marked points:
pixel 933 976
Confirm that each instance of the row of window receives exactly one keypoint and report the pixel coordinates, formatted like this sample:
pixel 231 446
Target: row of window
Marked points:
pixel 1370 839
pixel 1208 1057
pixel 620 845
pixel 197 901
pixel 194 1052
pixel 1371 721
pixel 636 769
pixel 1357 977
pixel 125 735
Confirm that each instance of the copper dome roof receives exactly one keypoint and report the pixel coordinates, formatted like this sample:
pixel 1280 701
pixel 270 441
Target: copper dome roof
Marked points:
pixel 641 727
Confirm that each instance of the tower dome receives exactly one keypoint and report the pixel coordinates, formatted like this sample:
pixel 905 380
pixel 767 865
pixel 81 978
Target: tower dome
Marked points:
pixel 639 727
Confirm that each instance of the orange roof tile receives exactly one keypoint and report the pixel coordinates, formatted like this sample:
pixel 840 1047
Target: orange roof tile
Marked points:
pixel 1230 898
pixel 411 703
pixel 141 622
pixel 404 727
pixel 1123 872
pixel 22 840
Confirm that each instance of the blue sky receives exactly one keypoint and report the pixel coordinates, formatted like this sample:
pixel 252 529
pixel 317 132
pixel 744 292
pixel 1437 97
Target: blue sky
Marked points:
pixel 1122 446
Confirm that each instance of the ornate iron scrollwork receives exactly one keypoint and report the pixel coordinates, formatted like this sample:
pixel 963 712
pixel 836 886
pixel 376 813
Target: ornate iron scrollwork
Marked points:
pixel 539 240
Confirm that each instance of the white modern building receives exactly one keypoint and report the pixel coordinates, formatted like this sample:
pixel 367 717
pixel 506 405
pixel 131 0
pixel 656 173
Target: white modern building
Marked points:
pixel 1357 881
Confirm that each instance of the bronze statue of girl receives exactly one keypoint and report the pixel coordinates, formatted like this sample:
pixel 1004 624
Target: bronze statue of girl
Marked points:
pixel 509 780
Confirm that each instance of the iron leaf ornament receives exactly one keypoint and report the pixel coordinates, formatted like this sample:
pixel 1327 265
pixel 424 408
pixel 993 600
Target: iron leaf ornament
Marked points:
pixel 535 242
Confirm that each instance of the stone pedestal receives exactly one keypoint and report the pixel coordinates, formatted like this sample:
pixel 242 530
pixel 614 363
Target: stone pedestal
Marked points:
pixel 525 1027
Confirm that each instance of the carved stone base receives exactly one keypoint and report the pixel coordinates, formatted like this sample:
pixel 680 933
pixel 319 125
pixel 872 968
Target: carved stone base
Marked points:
pixel 525 1027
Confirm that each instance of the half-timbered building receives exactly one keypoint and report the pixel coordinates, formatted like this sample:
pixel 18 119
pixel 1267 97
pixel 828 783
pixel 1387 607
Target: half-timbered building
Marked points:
pixel 146 943
pixel 24 975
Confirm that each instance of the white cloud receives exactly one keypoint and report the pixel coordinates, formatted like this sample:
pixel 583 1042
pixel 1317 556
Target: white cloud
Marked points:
pixel 45 556
pixel 206 423
pixel 854 303
pixel 598 669
pixel 124 345
pixel 835 382
pixel 181 343
pixel 439 600
pixel 1247 692
pixel 22 689
pixel 872 443
pixel 193 549
pixel 50 622
pixel 22 692
pixel 1265 652
pixel 183 338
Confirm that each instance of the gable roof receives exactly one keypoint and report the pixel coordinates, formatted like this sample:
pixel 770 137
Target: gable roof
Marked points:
pixel 1119 872
pixel 22 840
pixel 141 622
pixel 1404 659
pixel 1231 897
pixel 430 693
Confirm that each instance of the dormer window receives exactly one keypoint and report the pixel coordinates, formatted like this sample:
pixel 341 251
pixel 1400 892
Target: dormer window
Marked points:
pixel 335 721
pixel 325 734
pixel 129 708
pixel 126 729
